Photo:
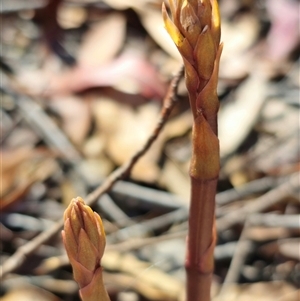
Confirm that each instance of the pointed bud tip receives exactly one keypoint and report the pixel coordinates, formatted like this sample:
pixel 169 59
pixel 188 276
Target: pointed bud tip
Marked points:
pixel 78 218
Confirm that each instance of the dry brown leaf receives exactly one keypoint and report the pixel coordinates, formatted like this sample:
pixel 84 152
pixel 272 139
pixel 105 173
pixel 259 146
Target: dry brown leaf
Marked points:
pixel 130 73
pixel 267 234
pixel 75 114
pixel 282 122
pixel 175 178
pixel 290 248
pixel 238 36
pixel 29 293
pixel 96 169
pixel 153 23
pixel 261 291
pixel 292 296
pixel 67 191
pixel 284 33
pixel 29 172
pixel 103 41
pixel 69 16
pixel 36 81
pixel 125 4
pixel 10 164
pixel 179 125
pixel 237 119
pixel 125 131
pixel 94 146
pixel 123 282
pixel 129 264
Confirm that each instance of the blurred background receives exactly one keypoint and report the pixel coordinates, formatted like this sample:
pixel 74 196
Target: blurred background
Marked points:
pixel 82 84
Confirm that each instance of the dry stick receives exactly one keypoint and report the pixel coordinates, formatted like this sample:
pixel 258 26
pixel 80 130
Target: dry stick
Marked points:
pixel 116 214
pixel 224 251
pixel 221 252
pixel 47 282
pixel 242 249
pixel 8 7
pixel 138 243
pixel 46 128
pixel 148 226
pixel 262 203
pixel 148 196
pixel 34 114
pixel 56 262
pixel 288 221
pixel 254 155
pixel 126 168
pixel 256 186
pixel 245 245
pixel 19 256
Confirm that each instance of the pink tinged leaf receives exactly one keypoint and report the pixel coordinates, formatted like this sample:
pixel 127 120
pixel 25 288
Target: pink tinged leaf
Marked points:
pixel 171 28
pixel 76 220
pixel 69 240
pixel 206 264
pixel 180 41
pixel 87 253
pixel 194 4
pixel 129 67
pixel 186 51
pixel 190 24
pixel 207 100
pixel 75 114
pixel 178 10
pixel 205 54
pixel 204 13
pixel 216 22
pixel 205 160
pixel 103 41
pixel 95 290
pixel 173 7
pixel 81 274
pixel 178 5
pixel 284 33
pixel 67 212
pixel 102 240
pixel 90 227
pixel 192 81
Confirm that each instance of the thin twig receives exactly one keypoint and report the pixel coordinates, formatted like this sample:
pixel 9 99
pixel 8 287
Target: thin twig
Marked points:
pixel 149 197
pixel 113 211
pixel 20 255
pixel 224 251
pixel 256 186
pixel 260 204
pixel 125 169
pixel 44 126
pixel 243 247
pixel 288 221
pixel 148 226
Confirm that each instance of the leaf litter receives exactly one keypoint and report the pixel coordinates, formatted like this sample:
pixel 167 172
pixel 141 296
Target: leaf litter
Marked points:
pixel 85 91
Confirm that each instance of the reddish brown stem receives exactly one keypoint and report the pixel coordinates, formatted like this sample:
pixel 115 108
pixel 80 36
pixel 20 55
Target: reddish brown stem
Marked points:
pixel 204 172
pixel 201 240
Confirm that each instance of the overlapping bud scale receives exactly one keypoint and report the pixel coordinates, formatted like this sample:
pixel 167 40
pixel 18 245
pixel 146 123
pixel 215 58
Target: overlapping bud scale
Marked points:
pixel 84 240
pixel 194 26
